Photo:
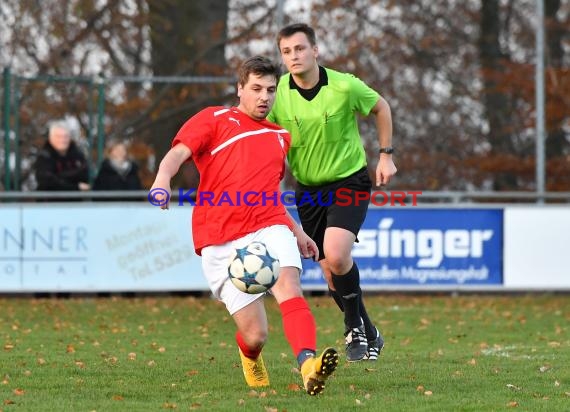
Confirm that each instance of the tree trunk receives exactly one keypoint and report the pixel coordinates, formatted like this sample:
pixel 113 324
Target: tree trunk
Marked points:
pixel 188 38
pixel 555 141
pixel 495 100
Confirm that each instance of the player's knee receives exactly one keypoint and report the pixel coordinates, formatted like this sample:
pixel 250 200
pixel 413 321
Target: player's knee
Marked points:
pixel 338 263
pixel 288 285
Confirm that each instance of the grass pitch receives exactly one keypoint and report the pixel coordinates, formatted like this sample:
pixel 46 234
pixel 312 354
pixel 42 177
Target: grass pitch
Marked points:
pixel 442 353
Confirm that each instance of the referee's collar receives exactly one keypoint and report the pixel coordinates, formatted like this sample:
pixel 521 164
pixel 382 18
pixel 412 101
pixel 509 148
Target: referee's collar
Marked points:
pixel 323 80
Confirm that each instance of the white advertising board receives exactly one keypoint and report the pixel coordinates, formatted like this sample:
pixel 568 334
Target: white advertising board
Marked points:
pixel 537 248
pixel 73 247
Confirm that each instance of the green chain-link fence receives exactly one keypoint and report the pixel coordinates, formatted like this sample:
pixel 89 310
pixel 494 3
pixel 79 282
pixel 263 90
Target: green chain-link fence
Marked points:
pixel 29 103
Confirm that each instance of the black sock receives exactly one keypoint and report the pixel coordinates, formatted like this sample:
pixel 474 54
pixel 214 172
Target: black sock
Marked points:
pixel 337 299
pixel 348 288
pixel 368 326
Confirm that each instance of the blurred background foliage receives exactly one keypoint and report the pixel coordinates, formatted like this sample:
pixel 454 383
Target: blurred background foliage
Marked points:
pixel 459 77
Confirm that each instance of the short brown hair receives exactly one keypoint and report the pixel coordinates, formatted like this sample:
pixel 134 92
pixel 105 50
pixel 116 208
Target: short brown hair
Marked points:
pixel 291 29
pixel 259 65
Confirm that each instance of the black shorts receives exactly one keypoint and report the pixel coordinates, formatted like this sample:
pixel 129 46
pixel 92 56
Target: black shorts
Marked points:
pixel 336 204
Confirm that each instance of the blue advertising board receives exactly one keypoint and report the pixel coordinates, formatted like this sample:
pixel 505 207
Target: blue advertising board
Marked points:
pixel 426 247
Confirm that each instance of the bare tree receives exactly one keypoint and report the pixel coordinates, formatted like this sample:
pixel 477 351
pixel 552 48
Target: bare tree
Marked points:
pixel 459 75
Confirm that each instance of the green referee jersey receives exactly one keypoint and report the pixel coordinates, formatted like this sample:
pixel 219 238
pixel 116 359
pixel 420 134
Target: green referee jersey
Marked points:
pixel 325 142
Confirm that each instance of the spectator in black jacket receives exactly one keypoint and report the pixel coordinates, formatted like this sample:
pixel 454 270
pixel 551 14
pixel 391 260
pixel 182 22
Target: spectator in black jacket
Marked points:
pixel 117 172
pixel 60 164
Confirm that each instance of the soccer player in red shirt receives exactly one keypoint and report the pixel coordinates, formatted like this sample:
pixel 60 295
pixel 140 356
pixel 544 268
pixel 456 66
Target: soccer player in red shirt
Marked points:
pixel 237 151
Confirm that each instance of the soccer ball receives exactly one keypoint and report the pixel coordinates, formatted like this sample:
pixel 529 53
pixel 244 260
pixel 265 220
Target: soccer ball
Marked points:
pixel 253 269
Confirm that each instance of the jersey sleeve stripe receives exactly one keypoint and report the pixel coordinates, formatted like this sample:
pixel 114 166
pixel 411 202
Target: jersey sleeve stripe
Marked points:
pixel 243 135
pixel 221 111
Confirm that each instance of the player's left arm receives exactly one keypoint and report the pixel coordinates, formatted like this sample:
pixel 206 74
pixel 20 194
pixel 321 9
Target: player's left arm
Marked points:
pixel 307 246
pixel 386 168
pixel 169 166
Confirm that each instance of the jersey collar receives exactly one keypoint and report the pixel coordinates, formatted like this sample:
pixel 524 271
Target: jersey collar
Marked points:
pixel 323 81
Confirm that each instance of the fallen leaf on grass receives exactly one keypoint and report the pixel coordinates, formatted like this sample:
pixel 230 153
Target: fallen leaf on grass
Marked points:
pixel 554 344
pixel 473 361
pixel 544 368
pixel 70 348
pixel 132 356
pixel 556 383
pixel 192 373
pixel 421 389
pixel 80 364
pixel 271 409
pixel 9 402
pixel 169 405
pixel 18 391
pixel 8 346
pixel 112 360
pixel 512 404
pixel 293 387
pixel 511 386
pixel 41 361
pixel 117 398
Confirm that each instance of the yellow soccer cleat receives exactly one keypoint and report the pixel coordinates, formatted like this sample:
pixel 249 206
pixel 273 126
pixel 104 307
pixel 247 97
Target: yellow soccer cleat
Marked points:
pixel 254 371
pixel 316 370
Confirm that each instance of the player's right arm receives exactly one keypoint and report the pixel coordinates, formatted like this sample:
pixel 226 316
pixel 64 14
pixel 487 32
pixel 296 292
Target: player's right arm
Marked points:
pixel 169 166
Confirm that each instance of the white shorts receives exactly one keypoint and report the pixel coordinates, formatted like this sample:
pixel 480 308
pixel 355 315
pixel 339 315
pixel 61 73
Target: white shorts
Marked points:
pixel 278 238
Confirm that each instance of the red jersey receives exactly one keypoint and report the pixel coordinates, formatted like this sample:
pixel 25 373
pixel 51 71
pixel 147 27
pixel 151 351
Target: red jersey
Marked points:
pixel 241 163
